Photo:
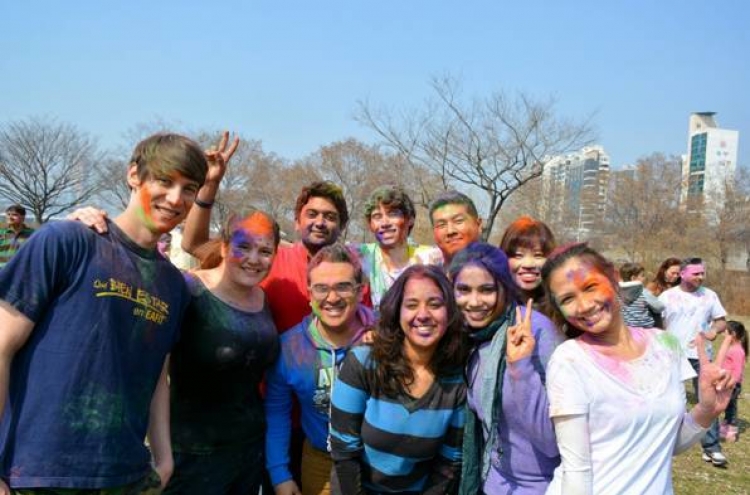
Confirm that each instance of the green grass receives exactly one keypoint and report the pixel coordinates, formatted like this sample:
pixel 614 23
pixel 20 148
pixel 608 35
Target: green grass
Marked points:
pixel 692 476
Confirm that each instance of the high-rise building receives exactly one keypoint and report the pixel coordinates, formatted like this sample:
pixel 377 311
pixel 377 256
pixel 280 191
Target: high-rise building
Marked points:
pixel 575 190
pixel 710 163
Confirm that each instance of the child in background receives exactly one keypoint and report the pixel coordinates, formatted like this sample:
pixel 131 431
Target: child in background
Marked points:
pixel 735 363
pixel 639 306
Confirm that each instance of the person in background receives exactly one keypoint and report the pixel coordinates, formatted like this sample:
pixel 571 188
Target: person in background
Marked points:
pixel 509 441
pixel 164 244
pixel 616 393
pixel 311 353
pixel 691 309
pixel 455 223
pixel 228 340
pixel 639 307
pixel 667 276
pixel 398 407
pixel 734 362
pixel 527 242
pixel 390 215
pixel 14 234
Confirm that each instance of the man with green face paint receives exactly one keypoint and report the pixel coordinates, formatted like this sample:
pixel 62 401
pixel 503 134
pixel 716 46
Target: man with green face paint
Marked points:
pixel 310 355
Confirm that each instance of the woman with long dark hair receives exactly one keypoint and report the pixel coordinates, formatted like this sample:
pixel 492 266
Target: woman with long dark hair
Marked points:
pixel 397 408
pixel 667 276
pixel 509 442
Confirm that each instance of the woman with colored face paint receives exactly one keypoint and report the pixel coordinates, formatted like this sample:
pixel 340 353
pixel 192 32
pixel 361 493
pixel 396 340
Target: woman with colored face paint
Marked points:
pixel 228 340
pixel 509 441
pixel 616 393
pixel 397 408
pixel 527 243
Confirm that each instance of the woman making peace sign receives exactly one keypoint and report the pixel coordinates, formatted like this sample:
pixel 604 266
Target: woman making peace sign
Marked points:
pixel 509 442
pixel 616 393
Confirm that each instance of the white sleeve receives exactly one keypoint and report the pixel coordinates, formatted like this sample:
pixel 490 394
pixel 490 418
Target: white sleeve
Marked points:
pixel 566 392
pixel 653 302
pixel 575 450
pixel 690 432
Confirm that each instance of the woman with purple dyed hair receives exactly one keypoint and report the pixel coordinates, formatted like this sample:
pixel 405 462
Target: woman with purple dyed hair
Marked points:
pixel 509 441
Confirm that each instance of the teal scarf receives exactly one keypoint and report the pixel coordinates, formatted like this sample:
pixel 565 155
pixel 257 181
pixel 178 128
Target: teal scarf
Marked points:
pixel 476 451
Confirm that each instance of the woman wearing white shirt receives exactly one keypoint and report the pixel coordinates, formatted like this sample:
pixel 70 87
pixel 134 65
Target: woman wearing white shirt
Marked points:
pixel 616 394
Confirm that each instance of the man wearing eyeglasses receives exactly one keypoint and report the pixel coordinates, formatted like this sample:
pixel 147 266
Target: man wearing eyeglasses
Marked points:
pixel 310 354
pixel 692 308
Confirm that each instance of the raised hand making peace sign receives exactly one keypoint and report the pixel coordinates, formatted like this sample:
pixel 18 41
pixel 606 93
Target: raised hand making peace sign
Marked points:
pixel 520 340
pixel 219 156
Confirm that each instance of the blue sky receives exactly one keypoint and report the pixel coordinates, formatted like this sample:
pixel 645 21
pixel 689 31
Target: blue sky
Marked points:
pixel 291 73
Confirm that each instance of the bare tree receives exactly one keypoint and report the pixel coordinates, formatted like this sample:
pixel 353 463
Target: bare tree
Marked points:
pixel 643 213
pixel 356 167
pixel 492 145
pixel 46 166
pixel 113 190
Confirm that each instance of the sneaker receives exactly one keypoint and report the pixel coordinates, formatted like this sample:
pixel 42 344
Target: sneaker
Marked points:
pixel 716 458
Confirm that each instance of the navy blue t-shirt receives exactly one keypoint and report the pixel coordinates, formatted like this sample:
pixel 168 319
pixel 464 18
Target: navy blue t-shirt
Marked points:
pixel 106 313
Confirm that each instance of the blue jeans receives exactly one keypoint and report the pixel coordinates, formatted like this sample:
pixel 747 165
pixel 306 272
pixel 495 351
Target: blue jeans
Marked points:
pixel 710 441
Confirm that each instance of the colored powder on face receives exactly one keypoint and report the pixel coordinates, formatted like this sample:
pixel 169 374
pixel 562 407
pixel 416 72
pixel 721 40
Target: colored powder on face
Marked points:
pixel 692 270
pixel 257 223
pixel 248 230
pixel 315 305
pixel 237 242
pixel 586 277
pixel 145 210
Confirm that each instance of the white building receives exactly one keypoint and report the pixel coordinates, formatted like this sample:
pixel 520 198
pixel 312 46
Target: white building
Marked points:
pixel 710 163
pixel 575 188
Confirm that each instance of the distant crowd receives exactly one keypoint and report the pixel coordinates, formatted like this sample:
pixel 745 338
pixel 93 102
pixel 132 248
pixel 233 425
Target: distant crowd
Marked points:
pixel 138 355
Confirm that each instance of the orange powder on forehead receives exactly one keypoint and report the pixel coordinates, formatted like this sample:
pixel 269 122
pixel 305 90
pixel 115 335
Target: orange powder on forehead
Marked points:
pixel 524 223
pixel 588 273
pixel 257 223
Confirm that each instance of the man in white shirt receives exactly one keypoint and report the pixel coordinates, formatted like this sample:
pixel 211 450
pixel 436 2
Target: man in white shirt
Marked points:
pixel 692 309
